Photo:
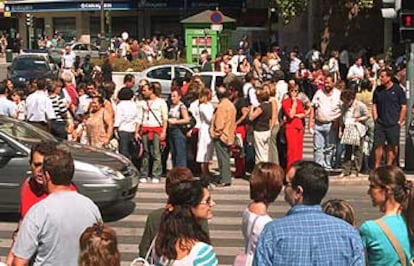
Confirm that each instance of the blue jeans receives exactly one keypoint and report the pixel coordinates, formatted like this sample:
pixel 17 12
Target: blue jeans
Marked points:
pixel 125 140
pixel 324 142
pixel 177 144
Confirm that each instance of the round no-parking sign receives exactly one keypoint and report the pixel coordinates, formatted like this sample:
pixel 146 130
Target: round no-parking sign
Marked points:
pixel 216 17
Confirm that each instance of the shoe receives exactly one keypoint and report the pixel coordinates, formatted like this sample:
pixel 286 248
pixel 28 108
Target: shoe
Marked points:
pixel 155 180
pixel 143 180
pixel 343 175
pixel 223 184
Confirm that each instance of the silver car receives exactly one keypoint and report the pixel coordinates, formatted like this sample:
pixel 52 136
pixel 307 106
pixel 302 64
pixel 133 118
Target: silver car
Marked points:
pixel 83 49
pixel 164 74
pixel 105 177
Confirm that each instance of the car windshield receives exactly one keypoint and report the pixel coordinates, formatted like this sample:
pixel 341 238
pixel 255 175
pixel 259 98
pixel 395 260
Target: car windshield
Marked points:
pixel 24 132
pixel 30 64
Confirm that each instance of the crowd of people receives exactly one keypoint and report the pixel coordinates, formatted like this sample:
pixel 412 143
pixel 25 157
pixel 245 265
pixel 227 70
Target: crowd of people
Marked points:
pixel 259 120
pixel 178 234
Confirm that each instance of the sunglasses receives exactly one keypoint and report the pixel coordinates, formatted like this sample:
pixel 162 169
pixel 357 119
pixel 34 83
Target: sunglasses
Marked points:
pixel 294 91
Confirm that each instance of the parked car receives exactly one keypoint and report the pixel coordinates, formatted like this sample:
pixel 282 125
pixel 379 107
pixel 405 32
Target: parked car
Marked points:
pixel 214 79
pixel 83 49
pixel 105 177
pixel 164 74
pixel 28 67
pixel 80 49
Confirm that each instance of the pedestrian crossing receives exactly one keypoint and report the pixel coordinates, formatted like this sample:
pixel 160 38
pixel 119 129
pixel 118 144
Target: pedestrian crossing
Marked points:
pixel 225 226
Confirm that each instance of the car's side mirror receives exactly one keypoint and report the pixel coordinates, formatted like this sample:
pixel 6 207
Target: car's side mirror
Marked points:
pixel 8 152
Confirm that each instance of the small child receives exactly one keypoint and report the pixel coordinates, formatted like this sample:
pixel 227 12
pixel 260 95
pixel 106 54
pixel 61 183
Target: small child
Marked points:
pixel 17 96
pixel 341 209
pixel 77 131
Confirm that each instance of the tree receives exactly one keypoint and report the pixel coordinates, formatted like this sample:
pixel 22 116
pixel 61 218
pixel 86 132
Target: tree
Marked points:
pixel 289 9
pixel 345 10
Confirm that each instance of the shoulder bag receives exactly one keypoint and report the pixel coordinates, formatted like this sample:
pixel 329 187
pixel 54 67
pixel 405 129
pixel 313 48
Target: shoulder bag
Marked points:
pixel 148 260
pixel 185 128
pixel 394 242
pixel 241 258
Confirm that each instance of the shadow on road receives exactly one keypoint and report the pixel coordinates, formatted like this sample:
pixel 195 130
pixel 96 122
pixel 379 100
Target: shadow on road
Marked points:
pixel 117 212
pixel 9 217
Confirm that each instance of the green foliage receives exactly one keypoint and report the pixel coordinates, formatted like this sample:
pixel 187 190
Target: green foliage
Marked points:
pixel 289 9
pixel 122 65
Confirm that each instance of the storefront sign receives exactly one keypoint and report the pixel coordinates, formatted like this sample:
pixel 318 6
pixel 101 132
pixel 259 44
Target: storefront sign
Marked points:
pixel 66 6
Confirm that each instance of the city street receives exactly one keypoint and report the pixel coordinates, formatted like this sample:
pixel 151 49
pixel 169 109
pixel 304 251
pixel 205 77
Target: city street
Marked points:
pixel 225 227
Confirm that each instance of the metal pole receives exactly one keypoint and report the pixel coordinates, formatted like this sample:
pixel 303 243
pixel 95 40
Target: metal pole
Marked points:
pixel 103 37
pixel 409 143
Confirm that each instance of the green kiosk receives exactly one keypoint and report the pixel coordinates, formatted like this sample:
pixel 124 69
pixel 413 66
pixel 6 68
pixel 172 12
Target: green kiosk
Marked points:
pixel 209 30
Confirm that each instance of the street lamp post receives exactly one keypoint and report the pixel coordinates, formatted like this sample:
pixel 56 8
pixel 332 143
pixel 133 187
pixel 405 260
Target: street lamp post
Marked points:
pixel 103 37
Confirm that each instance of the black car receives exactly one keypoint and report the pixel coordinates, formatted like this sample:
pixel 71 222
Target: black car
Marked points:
pixel 28 67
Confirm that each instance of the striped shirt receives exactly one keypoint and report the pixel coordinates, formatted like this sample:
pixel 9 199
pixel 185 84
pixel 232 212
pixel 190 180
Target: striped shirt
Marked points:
pixel 201 254
pixel 59 106
pixel 307 236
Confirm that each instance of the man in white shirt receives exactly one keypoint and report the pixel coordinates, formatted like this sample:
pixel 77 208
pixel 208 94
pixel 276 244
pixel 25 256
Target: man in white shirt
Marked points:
pixel 68 58
pixel 249 90
pixel 39 107
pixel 68 61
pixel 294 64
pixel 7 107
pixel 355 74
pixel 237 59
pixel 326 109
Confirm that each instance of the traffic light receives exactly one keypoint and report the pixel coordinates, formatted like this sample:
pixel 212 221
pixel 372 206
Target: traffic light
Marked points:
pixel 390 8
pixel 108 17
pixel 29 20
pixel 407 25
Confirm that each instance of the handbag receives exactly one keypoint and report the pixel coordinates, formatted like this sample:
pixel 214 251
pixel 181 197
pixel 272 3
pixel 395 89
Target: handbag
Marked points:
pixel 394 242
pixel 190 125
pixel 148 260
pixel 242 257
pixel 351 135
pixel 236 149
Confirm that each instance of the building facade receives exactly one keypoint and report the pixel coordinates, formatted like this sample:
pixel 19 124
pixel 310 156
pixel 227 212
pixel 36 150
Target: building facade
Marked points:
pixel 141 19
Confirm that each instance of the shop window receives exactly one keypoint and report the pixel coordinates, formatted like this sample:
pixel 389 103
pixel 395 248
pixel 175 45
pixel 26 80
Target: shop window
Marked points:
pixel 66 27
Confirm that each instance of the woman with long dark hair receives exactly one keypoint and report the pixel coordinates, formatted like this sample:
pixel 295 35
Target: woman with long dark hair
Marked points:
pixel 393 194
pixel 181 239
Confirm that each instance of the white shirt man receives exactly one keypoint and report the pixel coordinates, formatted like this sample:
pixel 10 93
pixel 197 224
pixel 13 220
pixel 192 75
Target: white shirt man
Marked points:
pixel 39 108
pixel 7 107
pixel 356 71
pixel 68 58
pixel 237 59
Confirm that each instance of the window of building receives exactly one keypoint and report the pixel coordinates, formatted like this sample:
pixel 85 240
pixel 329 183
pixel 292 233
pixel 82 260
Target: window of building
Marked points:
pixel 66 27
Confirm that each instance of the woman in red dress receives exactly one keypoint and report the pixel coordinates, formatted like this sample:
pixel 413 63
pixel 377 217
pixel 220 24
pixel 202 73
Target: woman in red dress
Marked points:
pixel 294 112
